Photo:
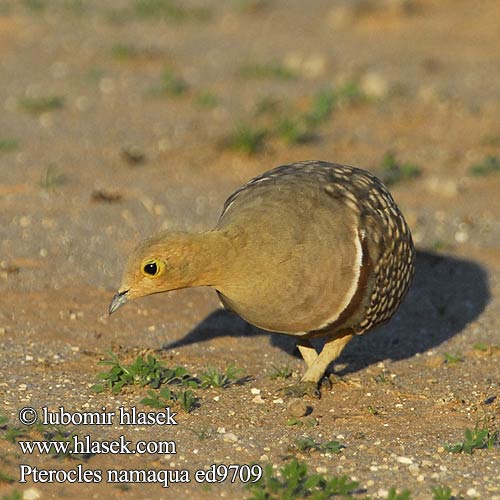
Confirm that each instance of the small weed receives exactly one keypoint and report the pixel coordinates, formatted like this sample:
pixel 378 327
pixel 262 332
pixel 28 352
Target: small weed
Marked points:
pixel 441 493
pixel 480 346
pixel 35 5
pixel 281 371
pixel 3 421
pixel 267 70
pixel 247 139
pixel 206 100
pixel 13 495
pixel 322 107
pixel 52 178
pixel 372 410
pixel 302 422
pixel 95 74
pixel 440 245
pixel 393 171
pixel 158 399
pixel 6 478
pixel 394 495
pixel 168 10
pixel 7 144
pixel 309 444
pixel 214 378
pixel 37 105
pixel 149 371
pixel 203 433
pixel 187 400
pixel 295 130
pixel 476 439
pixel 490 165
pixel 124 51
pixel 452 358
pixel 294 481
pixel 153 373
pixel 171 85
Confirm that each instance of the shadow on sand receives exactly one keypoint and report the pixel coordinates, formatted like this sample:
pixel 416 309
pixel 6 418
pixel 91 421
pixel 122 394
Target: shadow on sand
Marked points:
pixel 447 293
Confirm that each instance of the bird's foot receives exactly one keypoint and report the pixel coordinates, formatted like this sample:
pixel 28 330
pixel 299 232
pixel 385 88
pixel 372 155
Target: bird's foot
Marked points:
pixel 302 388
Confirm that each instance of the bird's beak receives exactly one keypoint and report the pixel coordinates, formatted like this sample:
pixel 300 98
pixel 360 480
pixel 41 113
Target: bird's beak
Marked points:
pixel 119 299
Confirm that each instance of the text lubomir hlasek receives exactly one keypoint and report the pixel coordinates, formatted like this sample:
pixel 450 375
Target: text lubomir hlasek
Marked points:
pixel 125 416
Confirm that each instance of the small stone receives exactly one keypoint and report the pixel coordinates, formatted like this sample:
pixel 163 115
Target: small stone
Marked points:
pixel 229 436
pixel 254 390
pixel 404 460
pixel 258 400
pixel 414 469
pixel 31 494
pixel 472 492
pixel 297 408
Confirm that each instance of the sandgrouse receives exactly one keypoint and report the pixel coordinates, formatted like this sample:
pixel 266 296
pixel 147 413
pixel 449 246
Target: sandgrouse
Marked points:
pixel 311 249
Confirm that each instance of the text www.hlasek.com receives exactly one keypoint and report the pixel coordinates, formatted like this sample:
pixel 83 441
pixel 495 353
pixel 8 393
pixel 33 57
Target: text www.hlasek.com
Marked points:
pixel 85 446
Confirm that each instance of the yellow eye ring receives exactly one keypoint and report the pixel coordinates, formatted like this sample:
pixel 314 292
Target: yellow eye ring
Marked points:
pixel 152 267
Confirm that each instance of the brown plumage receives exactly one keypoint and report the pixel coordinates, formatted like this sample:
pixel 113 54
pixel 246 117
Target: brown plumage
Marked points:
pixel 311 249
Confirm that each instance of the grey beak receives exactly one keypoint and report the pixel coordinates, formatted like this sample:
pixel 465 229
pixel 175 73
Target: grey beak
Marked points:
pixel 119 299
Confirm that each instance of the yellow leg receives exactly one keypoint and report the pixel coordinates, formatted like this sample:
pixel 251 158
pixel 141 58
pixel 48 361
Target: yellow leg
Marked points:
pixel 330 352
pixel 307 351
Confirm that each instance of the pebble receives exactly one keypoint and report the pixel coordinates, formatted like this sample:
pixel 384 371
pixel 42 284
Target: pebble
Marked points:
pixel 404 460
pixel 31 494
pixel 472 492
pixel 297 408
pixel 258 400
pixel 254 390
pixel 229 436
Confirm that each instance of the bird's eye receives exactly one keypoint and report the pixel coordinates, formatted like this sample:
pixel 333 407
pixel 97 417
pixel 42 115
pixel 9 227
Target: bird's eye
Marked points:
pixel 152 267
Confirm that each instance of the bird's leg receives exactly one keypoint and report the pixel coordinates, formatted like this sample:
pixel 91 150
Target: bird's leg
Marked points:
pixel 307 351
pixel 310 380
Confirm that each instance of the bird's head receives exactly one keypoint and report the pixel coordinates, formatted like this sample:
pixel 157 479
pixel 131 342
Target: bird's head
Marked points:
pixel 158 264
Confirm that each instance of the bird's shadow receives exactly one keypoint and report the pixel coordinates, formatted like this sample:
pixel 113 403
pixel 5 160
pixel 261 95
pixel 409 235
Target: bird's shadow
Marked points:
pixel 447 293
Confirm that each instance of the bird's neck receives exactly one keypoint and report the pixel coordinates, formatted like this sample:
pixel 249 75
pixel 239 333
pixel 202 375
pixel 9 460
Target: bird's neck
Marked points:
pixel 209 255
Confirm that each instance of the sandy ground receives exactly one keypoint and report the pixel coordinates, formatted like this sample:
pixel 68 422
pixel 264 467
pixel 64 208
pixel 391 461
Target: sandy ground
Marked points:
pixel 99 147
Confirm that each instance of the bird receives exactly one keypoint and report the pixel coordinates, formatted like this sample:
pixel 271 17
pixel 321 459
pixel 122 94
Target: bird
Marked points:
pixel 312 249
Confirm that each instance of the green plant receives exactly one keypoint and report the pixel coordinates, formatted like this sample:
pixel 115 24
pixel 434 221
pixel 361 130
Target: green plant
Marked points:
pixel 206 100
pixel 322 106
pixel 247 139
pixel 281 371
pixel 302 422
pixel 476 439
pixel 214 378
pixel 158 399
pixel 13 495
pixel 37 105
pixel 7 144
pixel 124 51
pixel 295 482
pixel 294 130
pixel 267 70
pixel 394 495
pixel 441 493
pixel 491 164
pixel 170 85
pixel 52 177
pixel 309 444
pixel 6 478
pixel 168 10
pixel 143 371
pixel 452 358
pixel 35 5
pixel 186 400
pixel 394 171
